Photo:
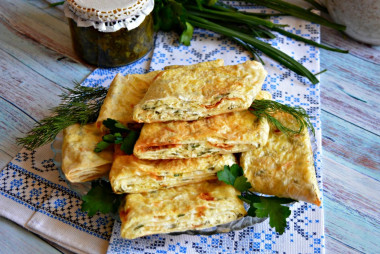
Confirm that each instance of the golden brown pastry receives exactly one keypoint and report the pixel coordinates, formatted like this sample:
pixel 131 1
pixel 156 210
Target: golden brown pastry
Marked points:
pixel 193 206
pixel 263 95
pixel 284 167
pixel 79 161
pixel 227 133
pixel 125 92
pixel 132 175
pixel 214 63
pixel 189 94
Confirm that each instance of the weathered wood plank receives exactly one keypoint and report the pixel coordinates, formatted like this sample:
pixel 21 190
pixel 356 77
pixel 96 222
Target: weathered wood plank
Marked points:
pixel 56 11
pixel 13 123
pixel 49 64
pixel 38 25
pixel 350 145
pixel 352 207
pixel 23 55
pixel 14 239
pixel 5 157
pixel 335 246
pixel 334 38
pixel 350 90
pixel 23 87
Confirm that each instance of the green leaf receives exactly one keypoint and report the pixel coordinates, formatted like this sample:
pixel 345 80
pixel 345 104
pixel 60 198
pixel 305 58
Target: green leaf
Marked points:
pixel 101 199
pixel 250 198
pixel 101 146
pixel 115 126
pixel 241 184
pixel 252 211
pixel 169 15
pixel 234 176
pixel 109 123
pixel 110 138
pixel 120 134
pixel 236 170
pixel 187 34
pixel 118 138
pixel 272 207
pixel 226 176
pixel 121 126
pixel 129 142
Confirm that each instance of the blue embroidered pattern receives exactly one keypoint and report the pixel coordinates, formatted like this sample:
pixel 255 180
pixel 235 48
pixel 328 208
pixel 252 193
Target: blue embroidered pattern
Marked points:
pixel 40 189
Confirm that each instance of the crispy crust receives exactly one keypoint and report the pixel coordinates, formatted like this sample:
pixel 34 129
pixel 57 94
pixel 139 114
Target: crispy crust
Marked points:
pixel 284 167
pixel 124 93
pixel 189 94
pixel 132 175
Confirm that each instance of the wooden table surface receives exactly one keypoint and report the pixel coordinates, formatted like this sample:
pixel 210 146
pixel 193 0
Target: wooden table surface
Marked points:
pixel 37 62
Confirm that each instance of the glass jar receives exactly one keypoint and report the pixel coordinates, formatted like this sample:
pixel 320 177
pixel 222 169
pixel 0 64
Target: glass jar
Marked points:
pixel 105 43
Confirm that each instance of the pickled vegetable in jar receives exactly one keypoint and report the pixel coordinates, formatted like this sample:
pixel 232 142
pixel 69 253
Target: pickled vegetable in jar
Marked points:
pixel 110 33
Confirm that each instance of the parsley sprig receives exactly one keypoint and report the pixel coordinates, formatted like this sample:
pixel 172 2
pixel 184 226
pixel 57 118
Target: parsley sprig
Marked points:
pixel 118 134
pixel 260 206
pixel 101 199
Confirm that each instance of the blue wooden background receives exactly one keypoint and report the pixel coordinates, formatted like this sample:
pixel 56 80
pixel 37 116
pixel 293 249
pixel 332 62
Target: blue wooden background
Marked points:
pixel 37 61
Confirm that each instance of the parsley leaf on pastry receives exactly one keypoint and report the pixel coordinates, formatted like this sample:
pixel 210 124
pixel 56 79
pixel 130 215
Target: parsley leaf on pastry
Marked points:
pixel 260 206
pixel 101 198
pixel 119 134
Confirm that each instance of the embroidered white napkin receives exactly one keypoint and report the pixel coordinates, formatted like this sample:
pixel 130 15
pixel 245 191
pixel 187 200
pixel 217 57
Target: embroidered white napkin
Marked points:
pixel 33 195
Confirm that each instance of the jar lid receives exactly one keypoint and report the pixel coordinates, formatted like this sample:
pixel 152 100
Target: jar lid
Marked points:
pixel 108 15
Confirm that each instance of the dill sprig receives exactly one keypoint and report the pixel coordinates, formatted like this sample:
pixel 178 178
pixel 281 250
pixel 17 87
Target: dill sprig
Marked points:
pixel 79 105
pixel 267 108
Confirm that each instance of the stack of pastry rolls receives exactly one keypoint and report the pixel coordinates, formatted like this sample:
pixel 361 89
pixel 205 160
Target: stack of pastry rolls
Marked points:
pixel 195 119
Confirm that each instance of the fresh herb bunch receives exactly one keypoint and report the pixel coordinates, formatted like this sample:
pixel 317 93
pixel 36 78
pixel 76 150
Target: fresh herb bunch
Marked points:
pixel 260 206
pixel 118 134
pixel 79 105
pixel 266 108
pixel 101 199
pixel 243 27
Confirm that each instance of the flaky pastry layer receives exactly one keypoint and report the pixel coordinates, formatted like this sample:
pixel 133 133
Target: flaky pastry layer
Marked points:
pixel 193 206
pixel 132 175
pixel 189 94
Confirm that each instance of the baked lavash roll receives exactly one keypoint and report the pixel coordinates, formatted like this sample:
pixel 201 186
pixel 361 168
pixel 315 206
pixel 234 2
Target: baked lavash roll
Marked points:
pixel 190 94
pixel 193 206
pixel 127 91
pixel 222 134
pixel 132 175
pixel 79 161
pixel 284 167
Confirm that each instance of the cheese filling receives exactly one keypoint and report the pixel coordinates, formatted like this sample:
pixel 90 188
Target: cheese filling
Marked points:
pixel 175 109
pixel 194 150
